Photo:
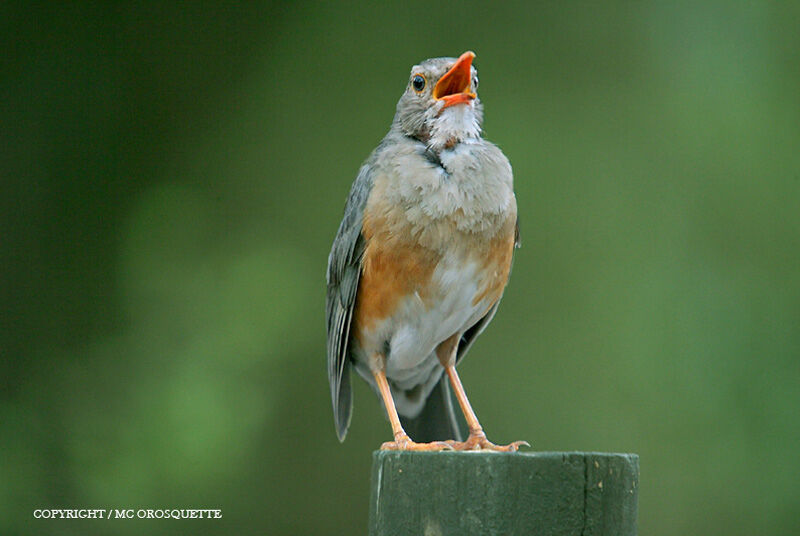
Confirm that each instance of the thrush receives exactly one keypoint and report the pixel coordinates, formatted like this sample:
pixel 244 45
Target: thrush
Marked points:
pixel 421 260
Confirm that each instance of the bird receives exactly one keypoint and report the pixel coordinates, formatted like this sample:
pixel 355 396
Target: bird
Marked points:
pixel 421 260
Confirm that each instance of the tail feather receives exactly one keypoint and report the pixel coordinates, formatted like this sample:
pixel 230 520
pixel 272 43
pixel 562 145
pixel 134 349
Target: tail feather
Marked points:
pixel 437 421
pixel 343 403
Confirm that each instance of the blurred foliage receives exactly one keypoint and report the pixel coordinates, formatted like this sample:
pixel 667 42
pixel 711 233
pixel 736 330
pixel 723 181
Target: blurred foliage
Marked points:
pixel 172 178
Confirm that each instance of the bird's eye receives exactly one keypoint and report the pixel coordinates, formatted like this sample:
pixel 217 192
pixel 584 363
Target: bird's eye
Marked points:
pixel 418 82
pixel 475 83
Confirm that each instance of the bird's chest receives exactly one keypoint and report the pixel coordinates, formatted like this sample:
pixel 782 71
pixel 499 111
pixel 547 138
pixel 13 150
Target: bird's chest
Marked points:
pixel 406 282
pixel 437 257
pixel 411 299
pixel 464 201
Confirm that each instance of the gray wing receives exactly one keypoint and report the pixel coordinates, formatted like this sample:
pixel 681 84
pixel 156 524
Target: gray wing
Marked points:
pixel 472 333
pixel 344 271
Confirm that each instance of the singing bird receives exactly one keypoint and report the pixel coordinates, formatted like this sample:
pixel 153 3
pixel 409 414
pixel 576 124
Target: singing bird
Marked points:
pixel 421 260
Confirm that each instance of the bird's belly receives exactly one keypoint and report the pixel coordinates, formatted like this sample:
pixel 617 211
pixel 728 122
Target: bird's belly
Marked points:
pixel 421 324
pixel 450 302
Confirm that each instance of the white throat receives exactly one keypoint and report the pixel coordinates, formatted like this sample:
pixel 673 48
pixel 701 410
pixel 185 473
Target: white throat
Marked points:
pixel 456 123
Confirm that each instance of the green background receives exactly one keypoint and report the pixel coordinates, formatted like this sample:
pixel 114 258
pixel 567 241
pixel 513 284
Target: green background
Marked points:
pixel 172 179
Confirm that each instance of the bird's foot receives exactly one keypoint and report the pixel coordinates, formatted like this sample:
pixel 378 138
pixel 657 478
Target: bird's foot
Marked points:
pixel 477 441
pixel 403 442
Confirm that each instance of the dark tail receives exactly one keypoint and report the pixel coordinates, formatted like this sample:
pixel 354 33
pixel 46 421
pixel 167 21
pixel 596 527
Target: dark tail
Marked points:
pixel 438 421
pixel 342 402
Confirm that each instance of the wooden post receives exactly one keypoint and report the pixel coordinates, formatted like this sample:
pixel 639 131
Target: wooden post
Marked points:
pixel 486 493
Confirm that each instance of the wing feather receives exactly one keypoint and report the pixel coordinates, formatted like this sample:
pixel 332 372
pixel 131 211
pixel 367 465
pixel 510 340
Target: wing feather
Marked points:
pixel 344 271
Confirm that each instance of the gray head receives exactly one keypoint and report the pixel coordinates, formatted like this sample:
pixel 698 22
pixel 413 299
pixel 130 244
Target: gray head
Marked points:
pixel 440 106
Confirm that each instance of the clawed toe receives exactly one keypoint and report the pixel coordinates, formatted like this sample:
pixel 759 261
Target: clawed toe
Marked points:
pixel 512 447
pixel 478 441
pixel 405 443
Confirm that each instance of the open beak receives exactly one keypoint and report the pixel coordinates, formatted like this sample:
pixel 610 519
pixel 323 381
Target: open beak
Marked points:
pixel 453 87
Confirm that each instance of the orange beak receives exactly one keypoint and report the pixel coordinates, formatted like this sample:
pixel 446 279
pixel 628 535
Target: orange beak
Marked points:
pixel 453 87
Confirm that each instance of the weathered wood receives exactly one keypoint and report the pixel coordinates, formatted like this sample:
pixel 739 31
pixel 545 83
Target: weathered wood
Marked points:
pixel 540 493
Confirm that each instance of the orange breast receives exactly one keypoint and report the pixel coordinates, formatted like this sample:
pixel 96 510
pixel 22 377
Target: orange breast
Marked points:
pixel 391 271
pixel 395 267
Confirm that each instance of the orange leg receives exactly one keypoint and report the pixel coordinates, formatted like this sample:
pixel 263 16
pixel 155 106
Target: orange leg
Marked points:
pixel 477 438
pixel 401 439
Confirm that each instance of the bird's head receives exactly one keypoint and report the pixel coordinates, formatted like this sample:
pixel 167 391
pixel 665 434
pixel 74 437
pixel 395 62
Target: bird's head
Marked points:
pixel 440 106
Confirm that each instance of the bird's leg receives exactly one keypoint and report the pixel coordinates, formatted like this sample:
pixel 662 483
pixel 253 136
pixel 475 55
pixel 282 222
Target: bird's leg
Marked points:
pixel 401 439
pixel 477 438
